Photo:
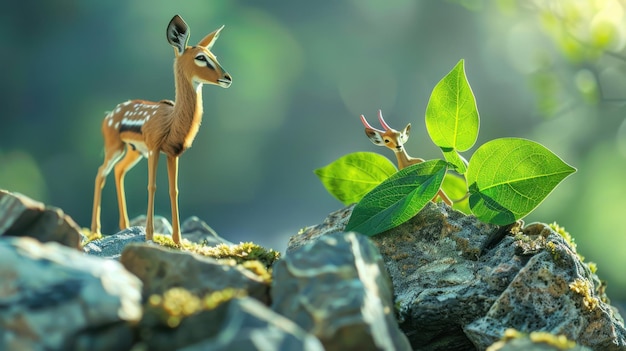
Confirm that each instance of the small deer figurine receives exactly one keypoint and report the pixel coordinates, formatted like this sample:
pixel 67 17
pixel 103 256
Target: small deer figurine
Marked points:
pixel 395 141
pixel 139 128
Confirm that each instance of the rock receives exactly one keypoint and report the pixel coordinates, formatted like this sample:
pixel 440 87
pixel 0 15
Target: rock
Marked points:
pixel 22 216
pixel 335 222
pixel 553 292
pixel 56 298
pixel 111 246
pixel 237 324
pixel 196 230
pixel 460 283
pixel 337 288
pixel 161 224
pixel 160 269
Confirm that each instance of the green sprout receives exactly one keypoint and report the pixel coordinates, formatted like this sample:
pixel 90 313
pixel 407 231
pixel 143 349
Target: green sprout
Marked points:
pixel 504 180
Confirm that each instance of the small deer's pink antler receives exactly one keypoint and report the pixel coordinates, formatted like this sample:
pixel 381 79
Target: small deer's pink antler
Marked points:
pixel 382 120
pixel 367 125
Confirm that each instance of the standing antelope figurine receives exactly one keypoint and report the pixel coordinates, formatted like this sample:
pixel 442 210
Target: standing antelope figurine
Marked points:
pixel 395 141
pixel 139 128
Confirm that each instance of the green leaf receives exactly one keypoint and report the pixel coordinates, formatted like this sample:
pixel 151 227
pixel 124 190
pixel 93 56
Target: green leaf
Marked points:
pixel 352 176
pixel 456 189
pixel 398 198
pixel 510 177
pixel 452 116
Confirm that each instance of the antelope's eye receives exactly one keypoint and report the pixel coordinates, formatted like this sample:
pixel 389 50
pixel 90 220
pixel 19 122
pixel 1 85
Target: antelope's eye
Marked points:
pixel 387 141
pixel 201 58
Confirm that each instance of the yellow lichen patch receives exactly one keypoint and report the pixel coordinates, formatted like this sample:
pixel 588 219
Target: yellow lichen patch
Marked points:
pixel 89 235
pixel 583 288
pixel 592 267
pixel 566 235
pixel 259 269
pixel 551 247
pixel 559 341
pixel 178 303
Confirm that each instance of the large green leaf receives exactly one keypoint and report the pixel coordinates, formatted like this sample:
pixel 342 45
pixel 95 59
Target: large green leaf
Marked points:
pixel 398 198
pixel 352 176
pixel 452 116
pixel 509 177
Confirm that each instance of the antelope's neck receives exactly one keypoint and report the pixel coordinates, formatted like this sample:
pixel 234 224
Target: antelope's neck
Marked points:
pixel 404 159
pixel 186 115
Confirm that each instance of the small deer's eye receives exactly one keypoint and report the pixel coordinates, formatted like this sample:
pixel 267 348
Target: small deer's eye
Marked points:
pixel 387 141
pixel 201 58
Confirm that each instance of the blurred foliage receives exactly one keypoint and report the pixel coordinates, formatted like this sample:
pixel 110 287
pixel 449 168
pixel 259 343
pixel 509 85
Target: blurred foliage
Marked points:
pixel 551 71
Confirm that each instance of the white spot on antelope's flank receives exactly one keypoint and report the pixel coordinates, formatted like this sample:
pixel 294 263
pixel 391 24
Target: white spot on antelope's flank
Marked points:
pixel 117 109
pixel 117 125
pixel 126 113
pixel 126 103
pixel 110 121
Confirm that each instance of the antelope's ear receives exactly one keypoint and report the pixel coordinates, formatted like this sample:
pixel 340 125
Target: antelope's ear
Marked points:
pixel 178 34
pixel 406 132
pixel 374 136
pixel 210 39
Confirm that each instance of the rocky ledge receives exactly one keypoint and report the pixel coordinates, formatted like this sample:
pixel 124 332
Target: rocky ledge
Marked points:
pixel 442 281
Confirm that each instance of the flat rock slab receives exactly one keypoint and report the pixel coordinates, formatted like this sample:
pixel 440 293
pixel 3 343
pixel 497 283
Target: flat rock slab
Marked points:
pixel 111 246
pixel 337 288
pixel 23 216
pixel 160 269
pixel 56 298
pixel 246 324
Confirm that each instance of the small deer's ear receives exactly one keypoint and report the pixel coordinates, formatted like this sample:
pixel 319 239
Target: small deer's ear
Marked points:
pixel 178 34
pixel 406 132
pixel 374 136
pixel 210 39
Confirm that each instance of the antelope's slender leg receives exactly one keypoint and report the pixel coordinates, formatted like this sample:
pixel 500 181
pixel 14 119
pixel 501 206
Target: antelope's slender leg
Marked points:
pixel 130 159
pixel 444 197
pixel 172 173
pixel 153 162
pixel 110 159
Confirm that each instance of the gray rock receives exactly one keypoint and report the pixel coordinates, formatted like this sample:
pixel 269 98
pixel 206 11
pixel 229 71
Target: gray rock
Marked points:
pixel 161 224
pixel 544 296
pixel 160 269
pixel 111 246
pixel 56 298
pixel 338 289
pixel 460 283
pixel 23 216
pixel 246 324
pixel 334 223
pixel 196 230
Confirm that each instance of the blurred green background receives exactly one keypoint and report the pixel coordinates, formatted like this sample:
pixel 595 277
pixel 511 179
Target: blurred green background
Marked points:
pixel 303 71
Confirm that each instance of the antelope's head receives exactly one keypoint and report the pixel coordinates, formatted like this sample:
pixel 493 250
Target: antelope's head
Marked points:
pixel 197 63
pixel 388 137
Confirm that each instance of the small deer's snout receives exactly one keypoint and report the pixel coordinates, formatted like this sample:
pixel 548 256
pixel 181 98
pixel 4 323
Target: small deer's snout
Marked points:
pixel 225 81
